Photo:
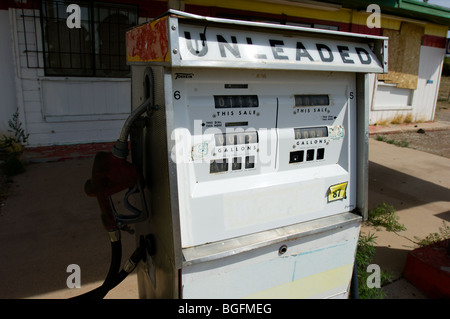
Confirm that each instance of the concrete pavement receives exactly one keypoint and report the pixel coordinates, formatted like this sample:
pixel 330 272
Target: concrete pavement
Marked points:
pixel 48 223
pixel 417 185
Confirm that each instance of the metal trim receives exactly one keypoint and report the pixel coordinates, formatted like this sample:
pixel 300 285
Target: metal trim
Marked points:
pixel 362 134
pixel 278 66
pixel 174 48
pixel 233 246
pixel 274 26
pixel 173 184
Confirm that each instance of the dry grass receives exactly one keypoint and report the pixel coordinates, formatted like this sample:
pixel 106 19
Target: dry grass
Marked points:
pixel 384 122
pixel 398 119
pixel 408 118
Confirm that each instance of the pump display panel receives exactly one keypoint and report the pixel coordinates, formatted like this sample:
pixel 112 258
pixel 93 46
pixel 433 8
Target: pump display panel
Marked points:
pixel 262 151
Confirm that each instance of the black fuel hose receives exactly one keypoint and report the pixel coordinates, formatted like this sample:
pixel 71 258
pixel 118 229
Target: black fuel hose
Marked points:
pixel 115 277
pixel 116 258
pixel 354 291
pixel 130 265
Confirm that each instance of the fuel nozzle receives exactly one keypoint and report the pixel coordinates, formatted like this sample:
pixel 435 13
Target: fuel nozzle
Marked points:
pixel 110 175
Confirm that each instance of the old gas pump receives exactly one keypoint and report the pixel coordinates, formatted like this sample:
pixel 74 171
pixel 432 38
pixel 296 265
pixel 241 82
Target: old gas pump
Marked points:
pixel 254 156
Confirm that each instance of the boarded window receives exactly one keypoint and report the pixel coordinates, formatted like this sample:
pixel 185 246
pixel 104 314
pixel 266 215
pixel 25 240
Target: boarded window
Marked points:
pixel 404 54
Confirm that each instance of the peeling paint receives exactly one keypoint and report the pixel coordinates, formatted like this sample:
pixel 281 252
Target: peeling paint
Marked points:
pixel 148 43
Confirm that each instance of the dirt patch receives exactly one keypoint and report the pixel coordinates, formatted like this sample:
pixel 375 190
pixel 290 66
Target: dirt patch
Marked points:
pixel 434 142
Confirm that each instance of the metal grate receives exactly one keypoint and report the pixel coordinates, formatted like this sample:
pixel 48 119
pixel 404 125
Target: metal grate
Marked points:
pixel 29 29
pixel 97 48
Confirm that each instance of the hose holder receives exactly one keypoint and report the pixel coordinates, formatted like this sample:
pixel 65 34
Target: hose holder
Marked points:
pixel 120 149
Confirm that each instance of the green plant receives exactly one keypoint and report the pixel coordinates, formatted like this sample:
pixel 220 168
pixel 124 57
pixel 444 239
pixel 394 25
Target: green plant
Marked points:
pixel 364 255
pixel 402 143
pixel 384 215
pixel 13 145
pixel 443 234
pixel 16 128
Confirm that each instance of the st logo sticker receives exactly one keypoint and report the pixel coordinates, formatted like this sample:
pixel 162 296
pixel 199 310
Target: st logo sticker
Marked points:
pixel 337 192
pixel 199 151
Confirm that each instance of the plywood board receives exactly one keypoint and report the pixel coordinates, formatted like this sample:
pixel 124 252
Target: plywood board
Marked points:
pixel 404 54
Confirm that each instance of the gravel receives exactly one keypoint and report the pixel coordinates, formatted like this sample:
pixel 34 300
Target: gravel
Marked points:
pixel 434 142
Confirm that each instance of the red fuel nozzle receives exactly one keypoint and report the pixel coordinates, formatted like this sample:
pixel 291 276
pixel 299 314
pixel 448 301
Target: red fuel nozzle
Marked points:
pixel 110 175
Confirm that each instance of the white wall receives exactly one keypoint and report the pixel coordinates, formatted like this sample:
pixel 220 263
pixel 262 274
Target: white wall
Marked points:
pixel 64 110
pixel 430 69
pixel 388 101
pixel 7 88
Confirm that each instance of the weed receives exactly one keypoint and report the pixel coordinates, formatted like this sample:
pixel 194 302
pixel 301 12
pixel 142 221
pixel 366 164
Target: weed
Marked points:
pixel 398 119
pixel 402 143
pixel 384 122
pixel 12 147
pixel 364 255
pixel 384 215
pixel 16 128
pixel 419 120
pixel 408 118
pixel 443 234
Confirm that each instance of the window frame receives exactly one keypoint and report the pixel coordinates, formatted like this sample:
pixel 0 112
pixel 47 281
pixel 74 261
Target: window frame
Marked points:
pixel 90 60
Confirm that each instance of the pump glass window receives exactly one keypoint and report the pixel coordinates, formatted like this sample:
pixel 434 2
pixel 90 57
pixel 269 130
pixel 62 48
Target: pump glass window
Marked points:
pixel 310 132
pixel 97 48
pixel 235 101
pixel 312 100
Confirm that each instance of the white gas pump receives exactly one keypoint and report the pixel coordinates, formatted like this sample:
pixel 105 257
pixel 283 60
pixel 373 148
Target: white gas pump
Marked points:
pixel 254 154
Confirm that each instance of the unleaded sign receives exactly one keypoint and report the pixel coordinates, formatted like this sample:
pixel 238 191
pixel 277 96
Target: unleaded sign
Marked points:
pixel 221 47
pixel 211 46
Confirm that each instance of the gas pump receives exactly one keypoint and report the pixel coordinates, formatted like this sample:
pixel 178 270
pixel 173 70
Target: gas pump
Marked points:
pixel 254 156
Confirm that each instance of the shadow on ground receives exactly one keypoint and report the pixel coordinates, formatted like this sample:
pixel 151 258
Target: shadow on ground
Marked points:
pixel 48 223
pixel 403 191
